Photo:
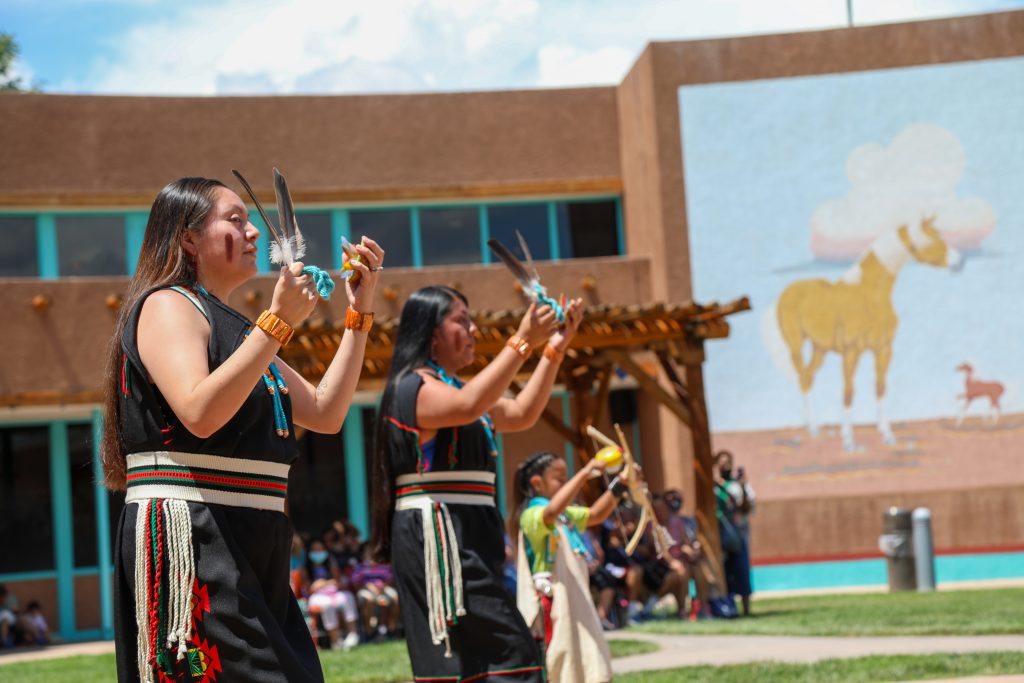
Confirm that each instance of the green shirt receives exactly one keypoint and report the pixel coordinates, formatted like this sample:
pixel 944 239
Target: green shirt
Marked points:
pixel 541 542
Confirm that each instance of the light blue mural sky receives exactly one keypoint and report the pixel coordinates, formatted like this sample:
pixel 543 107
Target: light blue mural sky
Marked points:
pixel 760 157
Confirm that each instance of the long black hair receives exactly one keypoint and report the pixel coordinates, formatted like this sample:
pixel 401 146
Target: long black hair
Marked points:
pixel 423 313
pixel 538 463
pixel 182 205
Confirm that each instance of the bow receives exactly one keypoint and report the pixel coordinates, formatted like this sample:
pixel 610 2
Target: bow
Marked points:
pixel 530 282
pixel 639 493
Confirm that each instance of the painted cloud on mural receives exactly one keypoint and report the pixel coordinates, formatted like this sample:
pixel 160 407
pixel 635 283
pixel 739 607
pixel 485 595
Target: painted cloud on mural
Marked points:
pixel 913 177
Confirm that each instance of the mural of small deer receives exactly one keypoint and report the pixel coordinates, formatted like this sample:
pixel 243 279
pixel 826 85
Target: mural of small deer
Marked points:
pixel 976 388
pixel 855 314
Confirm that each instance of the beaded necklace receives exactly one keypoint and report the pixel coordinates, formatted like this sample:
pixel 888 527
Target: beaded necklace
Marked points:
pixel 485 419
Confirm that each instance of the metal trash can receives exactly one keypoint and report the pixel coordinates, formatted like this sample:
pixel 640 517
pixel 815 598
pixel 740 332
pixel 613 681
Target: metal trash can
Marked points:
pixel 896 543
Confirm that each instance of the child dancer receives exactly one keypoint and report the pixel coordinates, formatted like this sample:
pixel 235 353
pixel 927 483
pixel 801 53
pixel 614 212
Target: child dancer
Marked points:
pixel 555 587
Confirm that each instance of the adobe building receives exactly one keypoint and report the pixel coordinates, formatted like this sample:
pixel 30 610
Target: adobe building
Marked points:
pixel 623 194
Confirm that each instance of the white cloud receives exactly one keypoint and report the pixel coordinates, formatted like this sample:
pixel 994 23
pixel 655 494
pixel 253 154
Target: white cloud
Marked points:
pixel 562 65
pixel 913 177
pixel 22 71
pixel 326 46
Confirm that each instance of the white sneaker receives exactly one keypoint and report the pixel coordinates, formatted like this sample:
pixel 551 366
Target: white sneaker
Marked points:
pixel 351 640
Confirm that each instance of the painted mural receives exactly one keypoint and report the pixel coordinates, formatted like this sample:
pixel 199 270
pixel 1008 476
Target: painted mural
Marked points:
pixel 876 220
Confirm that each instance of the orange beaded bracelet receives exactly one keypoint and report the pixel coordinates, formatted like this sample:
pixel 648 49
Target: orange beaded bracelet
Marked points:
pixel 553 354
pixel 275 327
pixel 359 322
pixel 520 346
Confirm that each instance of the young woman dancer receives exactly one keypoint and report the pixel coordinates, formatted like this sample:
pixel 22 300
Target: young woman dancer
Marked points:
pixel 435 516
pixel 199 430
pixel 555 552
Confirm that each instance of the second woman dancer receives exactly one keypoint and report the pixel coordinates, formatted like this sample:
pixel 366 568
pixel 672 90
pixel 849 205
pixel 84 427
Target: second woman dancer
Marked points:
pixel 435 516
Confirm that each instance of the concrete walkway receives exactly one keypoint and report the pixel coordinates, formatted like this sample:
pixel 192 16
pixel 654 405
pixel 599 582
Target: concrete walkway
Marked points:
pixel 29 654
pixel 689 650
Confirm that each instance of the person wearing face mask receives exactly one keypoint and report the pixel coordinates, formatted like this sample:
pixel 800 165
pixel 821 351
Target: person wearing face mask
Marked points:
pixel 434 508
pixel 322 583
pixel 735 502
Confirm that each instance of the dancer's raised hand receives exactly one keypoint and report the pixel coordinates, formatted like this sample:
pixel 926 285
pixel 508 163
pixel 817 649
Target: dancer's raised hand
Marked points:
pixel 537 325
pixel 573 317
pixel 294 295
pixel 360 295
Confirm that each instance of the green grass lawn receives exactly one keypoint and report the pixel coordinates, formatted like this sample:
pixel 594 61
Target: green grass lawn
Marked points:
pixel 981 612
pixel 975 612
pixel 365 664
pixel 859 670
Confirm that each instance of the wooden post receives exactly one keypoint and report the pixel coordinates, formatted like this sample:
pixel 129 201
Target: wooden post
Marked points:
pixel 703 466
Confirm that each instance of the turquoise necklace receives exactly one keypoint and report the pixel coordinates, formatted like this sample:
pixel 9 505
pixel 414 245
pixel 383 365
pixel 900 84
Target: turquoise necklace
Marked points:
pixel 485 419
pixel 274 383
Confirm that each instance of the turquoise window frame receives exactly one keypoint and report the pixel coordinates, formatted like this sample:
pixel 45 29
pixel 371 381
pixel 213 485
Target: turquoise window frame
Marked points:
pixel 341 227
pixel 135 228
pixel 134 233
pixel 356 487
pixel 46 246
pixel 417 237
pixel 64 572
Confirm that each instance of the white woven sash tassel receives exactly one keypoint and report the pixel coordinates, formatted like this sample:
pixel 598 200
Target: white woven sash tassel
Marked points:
pixel 179 567
pixel 142 592
pixel 182 568
pixel 444 598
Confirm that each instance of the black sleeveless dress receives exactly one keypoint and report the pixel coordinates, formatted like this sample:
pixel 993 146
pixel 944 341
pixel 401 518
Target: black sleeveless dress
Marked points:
pixel 247 625
pixel 491 642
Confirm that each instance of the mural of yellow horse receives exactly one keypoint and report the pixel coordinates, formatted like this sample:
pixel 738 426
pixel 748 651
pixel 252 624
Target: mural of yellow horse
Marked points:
pixel 855 314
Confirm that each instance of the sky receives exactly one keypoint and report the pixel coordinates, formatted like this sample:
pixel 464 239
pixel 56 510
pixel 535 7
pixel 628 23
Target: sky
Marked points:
pixel 225 47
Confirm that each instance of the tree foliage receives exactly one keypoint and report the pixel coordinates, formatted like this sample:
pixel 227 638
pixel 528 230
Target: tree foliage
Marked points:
pixel 8 53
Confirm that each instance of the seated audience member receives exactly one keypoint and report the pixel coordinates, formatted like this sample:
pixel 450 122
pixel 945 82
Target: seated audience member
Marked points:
pixel 8 617
pixel 343 541
pixel 33 625
pixel 651 577
pixel 327 594
pixel 374 584
pixel 685 556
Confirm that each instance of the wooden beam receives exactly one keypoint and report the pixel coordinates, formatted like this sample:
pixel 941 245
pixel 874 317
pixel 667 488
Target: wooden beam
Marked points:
pixel 650 385
pixel 552 420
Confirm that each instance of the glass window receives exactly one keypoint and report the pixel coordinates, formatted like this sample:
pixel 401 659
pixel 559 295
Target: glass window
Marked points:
pixel 83 494
pixel 91 245
pixel 316 230
pixel 19 253
pixel 316 483
pixel 450 235
pixel 26 523
pixel 391 228
pixel 529 219
pixel 588 229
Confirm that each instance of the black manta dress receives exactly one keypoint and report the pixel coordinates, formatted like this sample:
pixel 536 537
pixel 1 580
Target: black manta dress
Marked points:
pixel 229 614
pixel 447 547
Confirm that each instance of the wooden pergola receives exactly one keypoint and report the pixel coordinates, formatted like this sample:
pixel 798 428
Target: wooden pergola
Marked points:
pixel 610 337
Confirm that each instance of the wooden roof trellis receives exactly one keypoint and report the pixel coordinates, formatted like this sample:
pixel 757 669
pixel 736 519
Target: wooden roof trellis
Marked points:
pixel 608 337
pixel 652 327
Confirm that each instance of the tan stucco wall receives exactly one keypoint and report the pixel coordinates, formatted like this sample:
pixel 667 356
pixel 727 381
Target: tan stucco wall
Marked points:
pixel 118 150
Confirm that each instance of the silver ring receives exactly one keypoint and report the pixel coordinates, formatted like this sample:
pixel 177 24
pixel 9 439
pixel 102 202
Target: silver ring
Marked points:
pixel 374 270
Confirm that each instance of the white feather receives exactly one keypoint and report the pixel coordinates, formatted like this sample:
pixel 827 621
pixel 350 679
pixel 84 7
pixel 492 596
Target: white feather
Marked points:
pixel 288 252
